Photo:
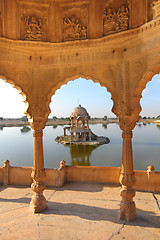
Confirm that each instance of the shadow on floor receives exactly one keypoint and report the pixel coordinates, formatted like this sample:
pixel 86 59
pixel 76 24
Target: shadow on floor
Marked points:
pixel 84 187
pixel 144 218
pixel 16 200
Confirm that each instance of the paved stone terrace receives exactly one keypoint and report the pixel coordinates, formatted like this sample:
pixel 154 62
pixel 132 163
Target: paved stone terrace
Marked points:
pixel 77 211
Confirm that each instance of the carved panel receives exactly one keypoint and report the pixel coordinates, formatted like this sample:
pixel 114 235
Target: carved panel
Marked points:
pixel 109 75
pixel 23 77
pixel 1 32
pixel 75 23
pixel 33 22
pixel 156 9
pixel 115 19
pixel 1 17
pixel 73 29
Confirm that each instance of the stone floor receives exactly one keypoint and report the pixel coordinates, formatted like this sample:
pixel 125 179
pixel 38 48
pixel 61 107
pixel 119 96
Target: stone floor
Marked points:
pixel 77 211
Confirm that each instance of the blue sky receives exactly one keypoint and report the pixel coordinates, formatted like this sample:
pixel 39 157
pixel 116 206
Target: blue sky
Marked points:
pixel 90 95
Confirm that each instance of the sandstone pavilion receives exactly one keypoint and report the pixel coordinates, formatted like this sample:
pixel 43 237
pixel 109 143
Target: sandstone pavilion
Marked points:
pixel 80 133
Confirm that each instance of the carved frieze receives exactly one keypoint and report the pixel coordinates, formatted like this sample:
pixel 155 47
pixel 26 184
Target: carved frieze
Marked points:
pixel 33 23
pixel 73 29
pixel 74 22
pixel 23 77
pixel 1 25
pixel 1 17
pixel 34 29
pixel 115 21
pixel 156 9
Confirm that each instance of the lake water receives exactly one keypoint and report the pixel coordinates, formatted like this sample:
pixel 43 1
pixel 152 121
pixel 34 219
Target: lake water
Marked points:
pixel 18 147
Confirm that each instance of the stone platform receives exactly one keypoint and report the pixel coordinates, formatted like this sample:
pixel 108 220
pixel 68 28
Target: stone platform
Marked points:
pixel 75 212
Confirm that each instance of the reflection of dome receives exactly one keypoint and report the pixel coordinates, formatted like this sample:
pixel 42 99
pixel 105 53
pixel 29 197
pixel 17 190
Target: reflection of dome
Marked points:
pixel 80 112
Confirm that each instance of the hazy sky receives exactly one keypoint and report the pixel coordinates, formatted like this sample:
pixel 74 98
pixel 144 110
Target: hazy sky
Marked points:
pixel 90 95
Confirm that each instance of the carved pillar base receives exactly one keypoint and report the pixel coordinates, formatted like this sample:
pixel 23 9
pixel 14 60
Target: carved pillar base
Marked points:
pixel 127 205
pixel 38 203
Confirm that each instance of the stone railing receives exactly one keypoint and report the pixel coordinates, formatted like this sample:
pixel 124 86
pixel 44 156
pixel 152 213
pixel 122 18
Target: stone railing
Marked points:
pixel 145 180
pixel 22 175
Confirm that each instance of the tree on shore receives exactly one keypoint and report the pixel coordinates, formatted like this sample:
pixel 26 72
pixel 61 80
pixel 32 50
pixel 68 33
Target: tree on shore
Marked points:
pixel 105 118
pixel 24 119
pixel 54 118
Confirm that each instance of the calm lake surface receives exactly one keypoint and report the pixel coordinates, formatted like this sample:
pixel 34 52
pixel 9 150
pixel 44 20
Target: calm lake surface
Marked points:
pixel 18 147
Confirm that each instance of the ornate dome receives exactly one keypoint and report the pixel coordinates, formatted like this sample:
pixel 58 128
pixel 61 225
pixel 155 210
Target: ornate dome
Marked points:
pixel 80 112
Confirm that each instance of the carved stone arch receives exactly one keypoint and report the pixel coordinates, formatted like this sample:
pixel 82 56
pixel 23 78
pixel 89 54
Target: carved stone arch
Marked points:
pixel 20 91
pixel 80 119
pixel 112 91
pixel 136 107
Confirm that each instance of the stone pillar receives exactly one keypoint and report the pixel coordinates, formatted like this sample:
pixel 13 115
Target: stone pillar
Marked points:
pixel 64 132
pixel 38 202
pixel 151 179
pixel 71 122
pixel 84 137
pixel 71 136
pixel 77 136
pixel 87 123
pixel 76 123
pixel 90 137
pixel 127 179
pixel 6 172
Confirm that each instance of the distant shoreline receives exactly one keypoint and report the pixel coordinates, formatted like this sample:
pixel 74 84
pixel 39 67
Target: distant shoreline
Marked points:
pixel 52 122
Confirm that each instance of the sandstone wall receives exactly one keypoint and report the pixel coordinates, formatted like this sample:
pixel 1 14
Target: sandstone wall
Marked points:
pixel 145 180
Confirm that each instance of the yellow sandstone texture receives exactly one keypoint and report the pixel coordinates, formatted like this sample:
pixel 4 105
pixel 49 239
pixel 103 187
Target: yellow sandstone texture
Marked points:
pixel 44 44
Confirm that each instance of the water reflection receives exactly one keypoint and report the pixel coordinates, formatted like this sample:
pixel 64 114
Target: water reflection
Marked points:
pixel 104 126
pixel 25 129
pixel 158 126
pixel 146 147
pixel 80 154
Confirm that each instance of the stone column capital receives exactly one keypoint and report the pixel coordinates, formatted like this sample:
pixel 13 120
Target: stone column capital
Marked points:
pixel 127 134
pixel 37 133
pixel 128 123
pixel 37 123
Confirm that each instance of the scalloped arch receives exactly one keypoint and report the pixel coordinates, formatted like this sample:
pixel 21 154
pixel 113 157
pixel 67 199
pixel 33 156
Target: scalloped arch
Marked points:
pixel 72 78
pixel 20 91
pixel 141 86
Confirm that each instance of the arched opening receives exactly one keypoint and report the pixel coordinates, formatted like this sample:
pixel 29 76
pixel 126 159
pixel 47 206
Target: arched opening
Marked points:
pixel 15 135
pixel 97 101
pixel 146 140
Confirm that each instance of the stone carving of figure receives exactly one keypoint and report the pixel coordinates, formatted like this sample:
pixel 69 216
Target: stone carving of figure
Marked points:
pixel 109 21
pixel 34 29
pixel 117 21
pixel 84 32
pixel 73 29
pixel 123 17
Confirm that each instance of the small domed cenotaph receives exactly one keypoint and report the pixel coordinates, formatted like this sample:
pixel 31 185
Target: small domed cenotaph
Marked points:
pixel 80 133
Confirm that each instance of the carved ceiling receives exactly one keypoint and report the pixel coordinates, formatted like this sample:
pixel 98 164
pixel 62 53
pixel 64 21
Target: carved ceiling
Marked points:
pixel 64 20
